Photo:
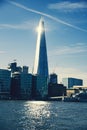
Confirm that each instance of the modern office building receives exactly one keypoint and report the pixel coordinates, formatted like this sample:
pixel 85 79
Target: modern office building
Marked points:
pixel 5 82
pixel 39 87
pixel 41 62
pixel 70 82
pixel 26 85
pixel 25 69
pixel 15 85
pixel 53 78
pixel 21 85
pixel 41 75
pixel 55 90
pixel 14 68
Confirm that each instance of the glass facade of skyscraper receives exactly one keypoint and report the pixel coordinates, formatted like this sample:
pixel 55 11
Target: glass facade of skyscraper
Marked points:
pixel 41 62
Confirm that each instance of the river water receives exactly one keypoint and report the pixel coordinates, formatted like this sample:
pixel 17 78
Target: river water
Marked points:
pixel 40 115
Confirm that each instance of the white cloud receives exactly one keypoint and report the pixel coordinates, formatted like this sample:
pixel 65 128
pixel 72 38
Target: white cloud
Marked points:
pixel 61 71
pixel 2 52
pixel 68 6
pixel 46 15
pixel 72 49
pixel 22 26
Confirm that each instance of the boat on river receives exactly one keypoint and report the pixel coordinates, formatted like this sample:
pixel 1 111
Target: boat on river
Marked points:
pixel 78 97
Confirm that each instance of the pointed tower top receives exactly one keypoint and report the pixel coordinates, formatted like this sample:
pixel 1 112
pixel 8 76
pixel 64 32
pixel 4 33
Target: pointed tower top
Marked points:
pixel 42 19
pixel 40 28
pixel 41 22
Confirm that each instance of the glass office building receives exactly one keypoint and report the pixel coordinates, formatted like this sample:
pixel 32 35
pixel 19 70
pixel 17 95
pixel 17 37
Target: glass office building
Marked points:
pixel 41 62
pixel 70 82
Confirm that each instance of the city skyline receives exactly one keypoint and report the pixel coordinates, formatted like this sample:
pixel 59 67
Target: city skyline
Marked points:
pixel 66 34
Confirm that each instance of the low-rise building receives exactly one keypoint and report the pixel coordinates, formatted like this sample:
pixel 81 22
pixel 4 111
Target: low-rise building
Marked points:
pixel 55 90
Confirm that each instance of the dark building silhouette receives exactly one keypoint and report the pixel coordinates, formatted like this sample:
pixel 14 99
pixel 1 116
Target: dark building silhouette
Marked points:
pixel 56 90
pixel 5 82
pixel 21 85
pixel 39 87
pixel 25 70
pixel 15 86
pixel 14 68
pixel 53 78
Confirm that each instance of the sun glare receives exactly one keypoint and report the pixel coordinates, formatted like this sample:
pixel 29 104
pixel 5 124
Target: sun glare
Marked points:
pixel 39 29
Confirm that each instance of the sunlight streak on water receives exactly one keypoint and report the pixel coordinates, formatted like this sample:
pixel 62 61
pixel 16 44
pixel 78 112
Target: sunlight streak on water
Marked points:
pixel 37 109
pixel 35 113
pixel 38 115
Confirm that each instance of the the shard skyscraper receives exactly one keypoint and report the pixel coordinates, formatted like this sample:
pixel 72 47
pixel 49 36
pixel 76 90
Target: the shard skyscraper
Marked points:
pixel 41 62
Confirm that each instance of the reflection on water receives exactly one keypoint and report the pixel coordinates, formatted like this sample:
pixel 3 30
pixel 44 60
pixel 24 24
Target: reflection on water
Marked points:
pixel 36 113
pixel 37 109
pixel 39 115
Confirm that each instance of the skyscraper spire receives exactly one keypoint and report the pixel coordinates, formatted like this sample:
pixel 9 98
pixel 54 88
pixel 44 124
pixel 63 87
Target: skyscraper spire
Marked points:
pixel 41 62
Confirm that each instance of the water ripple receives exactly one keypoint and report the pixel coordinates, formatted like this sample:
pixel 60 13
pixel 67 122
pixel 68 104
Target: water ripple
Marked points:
pixel 38 115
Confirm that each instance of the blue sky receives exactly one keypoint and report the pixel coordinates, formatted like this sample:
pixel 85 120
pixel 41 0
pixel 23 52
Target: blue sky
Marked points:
pixel 66 34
